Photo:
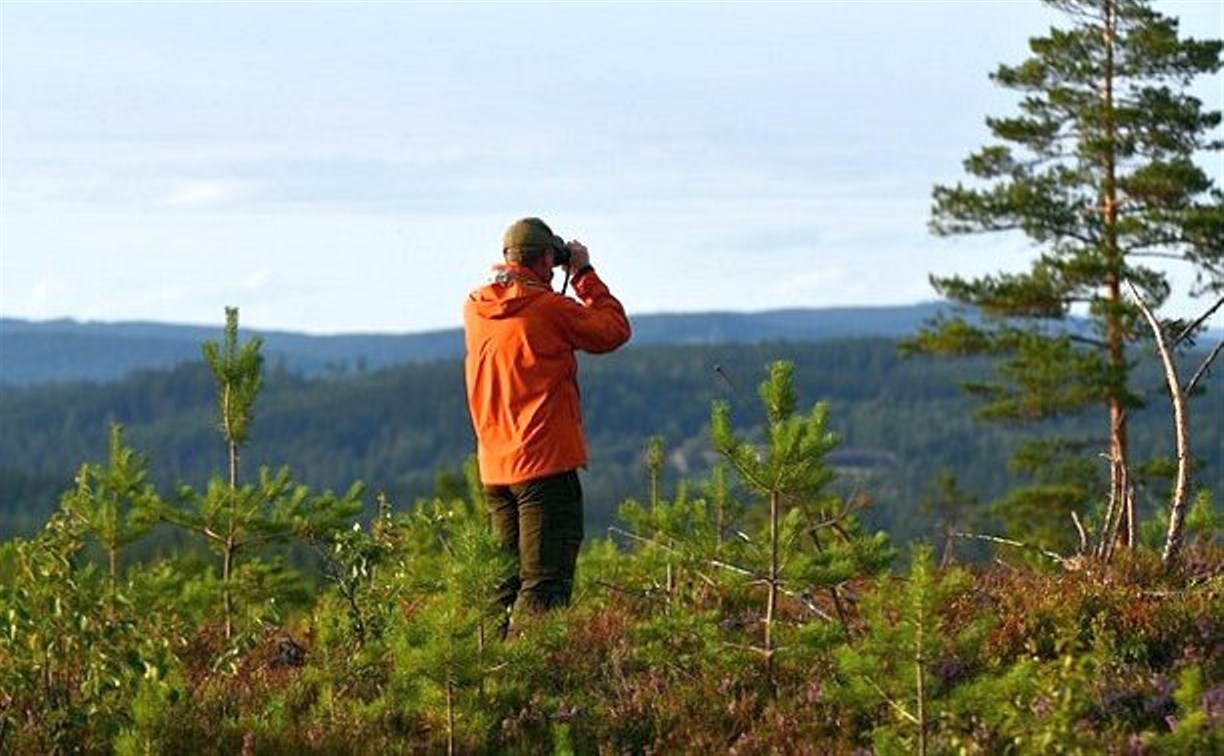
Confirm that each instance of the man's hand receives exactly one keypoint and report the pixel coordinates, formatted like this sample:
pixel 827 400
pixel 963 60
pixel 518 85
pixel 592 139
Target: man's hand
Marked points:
pixel 579 256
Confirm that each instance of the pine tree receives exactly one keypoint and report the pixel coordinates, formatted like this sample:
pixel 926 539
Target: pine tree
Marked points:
pixel 117 503
pixel 812 540
pixel 890 667
pixel 442 657
pixel 1097 170
pixel 236 518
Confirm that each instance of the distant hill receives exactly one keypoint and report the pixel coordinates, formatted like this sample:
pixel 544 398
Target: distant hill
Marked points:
pixel 901 422
pixel 33 352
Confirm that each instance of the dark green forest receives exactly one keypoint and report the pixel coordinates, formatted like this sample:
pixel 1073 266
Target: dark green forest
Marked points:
pixel 902 422
pixel 759 617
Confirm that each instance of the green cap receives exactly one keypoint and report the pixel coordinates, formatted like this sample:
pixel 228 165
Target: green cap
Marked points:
pixel 531 235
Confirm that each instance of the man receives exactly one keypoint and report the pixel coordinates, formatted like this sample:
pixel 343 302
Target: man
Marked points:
pixel 522 387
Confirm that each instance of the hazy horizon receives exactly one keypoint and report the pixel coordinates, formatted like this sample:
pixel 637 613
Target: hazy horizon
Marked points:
pixel 245 326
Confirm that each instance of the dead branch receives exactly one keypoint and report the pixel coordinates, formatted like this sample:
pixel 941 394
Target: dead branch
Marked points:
pixel 1083 536
pixel 629 591
pixel 803 601
pixel 889 700
pixel 1121 501
pixel 1053 555
pixel 1110 512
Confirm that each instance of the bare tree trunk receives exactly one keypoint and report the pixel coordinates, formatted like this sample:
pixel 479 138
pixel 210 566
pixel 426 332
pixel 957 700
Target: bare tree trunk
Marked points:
pixel 1181 428
pixel 227 600
pixel 772 607
pixel 1114 332
pixel 1120 501
pixel 227 565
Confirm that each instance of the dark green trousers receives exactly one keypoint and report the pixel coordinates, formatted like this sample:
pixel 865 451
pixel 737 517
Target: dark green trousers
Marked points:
pixel 539 523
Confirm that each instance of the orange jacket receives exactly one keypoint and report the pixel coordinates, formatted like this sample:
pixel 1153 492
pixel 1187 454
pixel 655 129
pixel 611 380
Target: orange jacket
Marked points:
pixel 522 377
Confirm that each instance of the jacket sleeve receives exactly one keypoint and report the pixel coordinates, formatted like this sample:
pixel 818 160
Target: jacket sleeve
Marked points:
pixel 597 325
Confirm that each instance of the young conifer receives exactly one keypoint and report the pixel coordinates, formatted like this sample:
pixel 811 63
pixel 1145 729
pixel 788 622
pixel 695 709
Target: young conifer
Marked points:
pixel 888 669
pixel 117 502
pixel 236 518
pixel 812 541
pixel 441 658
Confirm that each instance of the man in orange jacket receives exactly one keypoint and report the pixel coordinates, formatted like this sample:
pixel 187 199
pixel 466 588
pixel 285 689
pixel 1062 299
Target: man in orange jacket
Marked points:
pixel 522 384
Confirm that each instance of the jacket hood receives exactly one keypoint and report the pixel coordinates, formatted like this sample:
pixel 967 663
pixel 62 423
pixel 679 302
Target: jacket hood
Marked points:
pixel 508 290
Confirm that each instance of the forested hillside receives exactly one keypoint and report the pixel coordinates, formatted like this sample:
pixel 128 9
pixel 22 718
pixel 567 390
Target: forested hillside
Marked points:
pixel 902 421
pixel 69 350
pixel 758 618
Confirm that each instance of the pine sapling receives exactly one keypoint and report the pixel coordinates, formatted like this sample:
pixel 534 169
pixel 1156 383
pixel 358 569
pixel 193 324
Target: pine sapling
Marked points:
pixel 117 503
pixel 234 518
pixel 790 474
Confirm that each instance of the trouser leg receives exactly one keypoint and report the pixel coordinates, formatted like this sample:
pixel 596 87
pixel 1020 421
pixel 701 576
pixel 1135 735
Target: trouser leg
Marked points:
pixel 550 534
pixel 504 521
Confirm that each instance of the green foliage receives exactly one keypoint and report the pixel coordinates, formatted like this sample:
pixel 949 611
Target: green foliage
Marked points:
pixel 1202 523
pixel 117 503
pixel 238 373
pixel 399 648
pixel 442 653
pixel 888 673
pixel 153 709
pixel 812 541
pixel 1097 170
pixel 235 518
pixel 71 655
pixel 1196 726
pixel 1007 659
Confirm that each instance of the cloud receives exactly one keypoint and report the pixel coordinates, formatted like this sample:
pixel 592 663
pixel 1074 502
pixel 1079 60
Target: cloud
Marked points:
pixel 776 239
pixel 203 193
pixel 255 280
pixel 40 293
pixel 812 282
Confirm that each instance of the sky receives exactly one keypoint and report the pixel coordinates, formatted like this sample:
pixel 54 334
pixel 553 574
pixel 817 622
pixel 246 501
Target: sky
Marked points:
pixel 336 167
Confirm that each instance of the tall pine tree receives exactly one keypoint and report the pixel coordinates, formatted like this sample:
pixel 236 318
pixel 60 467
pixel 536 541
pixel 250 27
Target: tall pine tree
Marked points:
pixel 1098 170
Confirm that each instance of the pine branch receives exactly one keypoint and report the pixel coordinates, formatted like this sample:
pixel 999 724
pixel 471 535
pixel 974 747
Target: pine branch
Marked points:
pixel 1198 322
pixel 1202 370
pixel 1161 255
pixel 1088 341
